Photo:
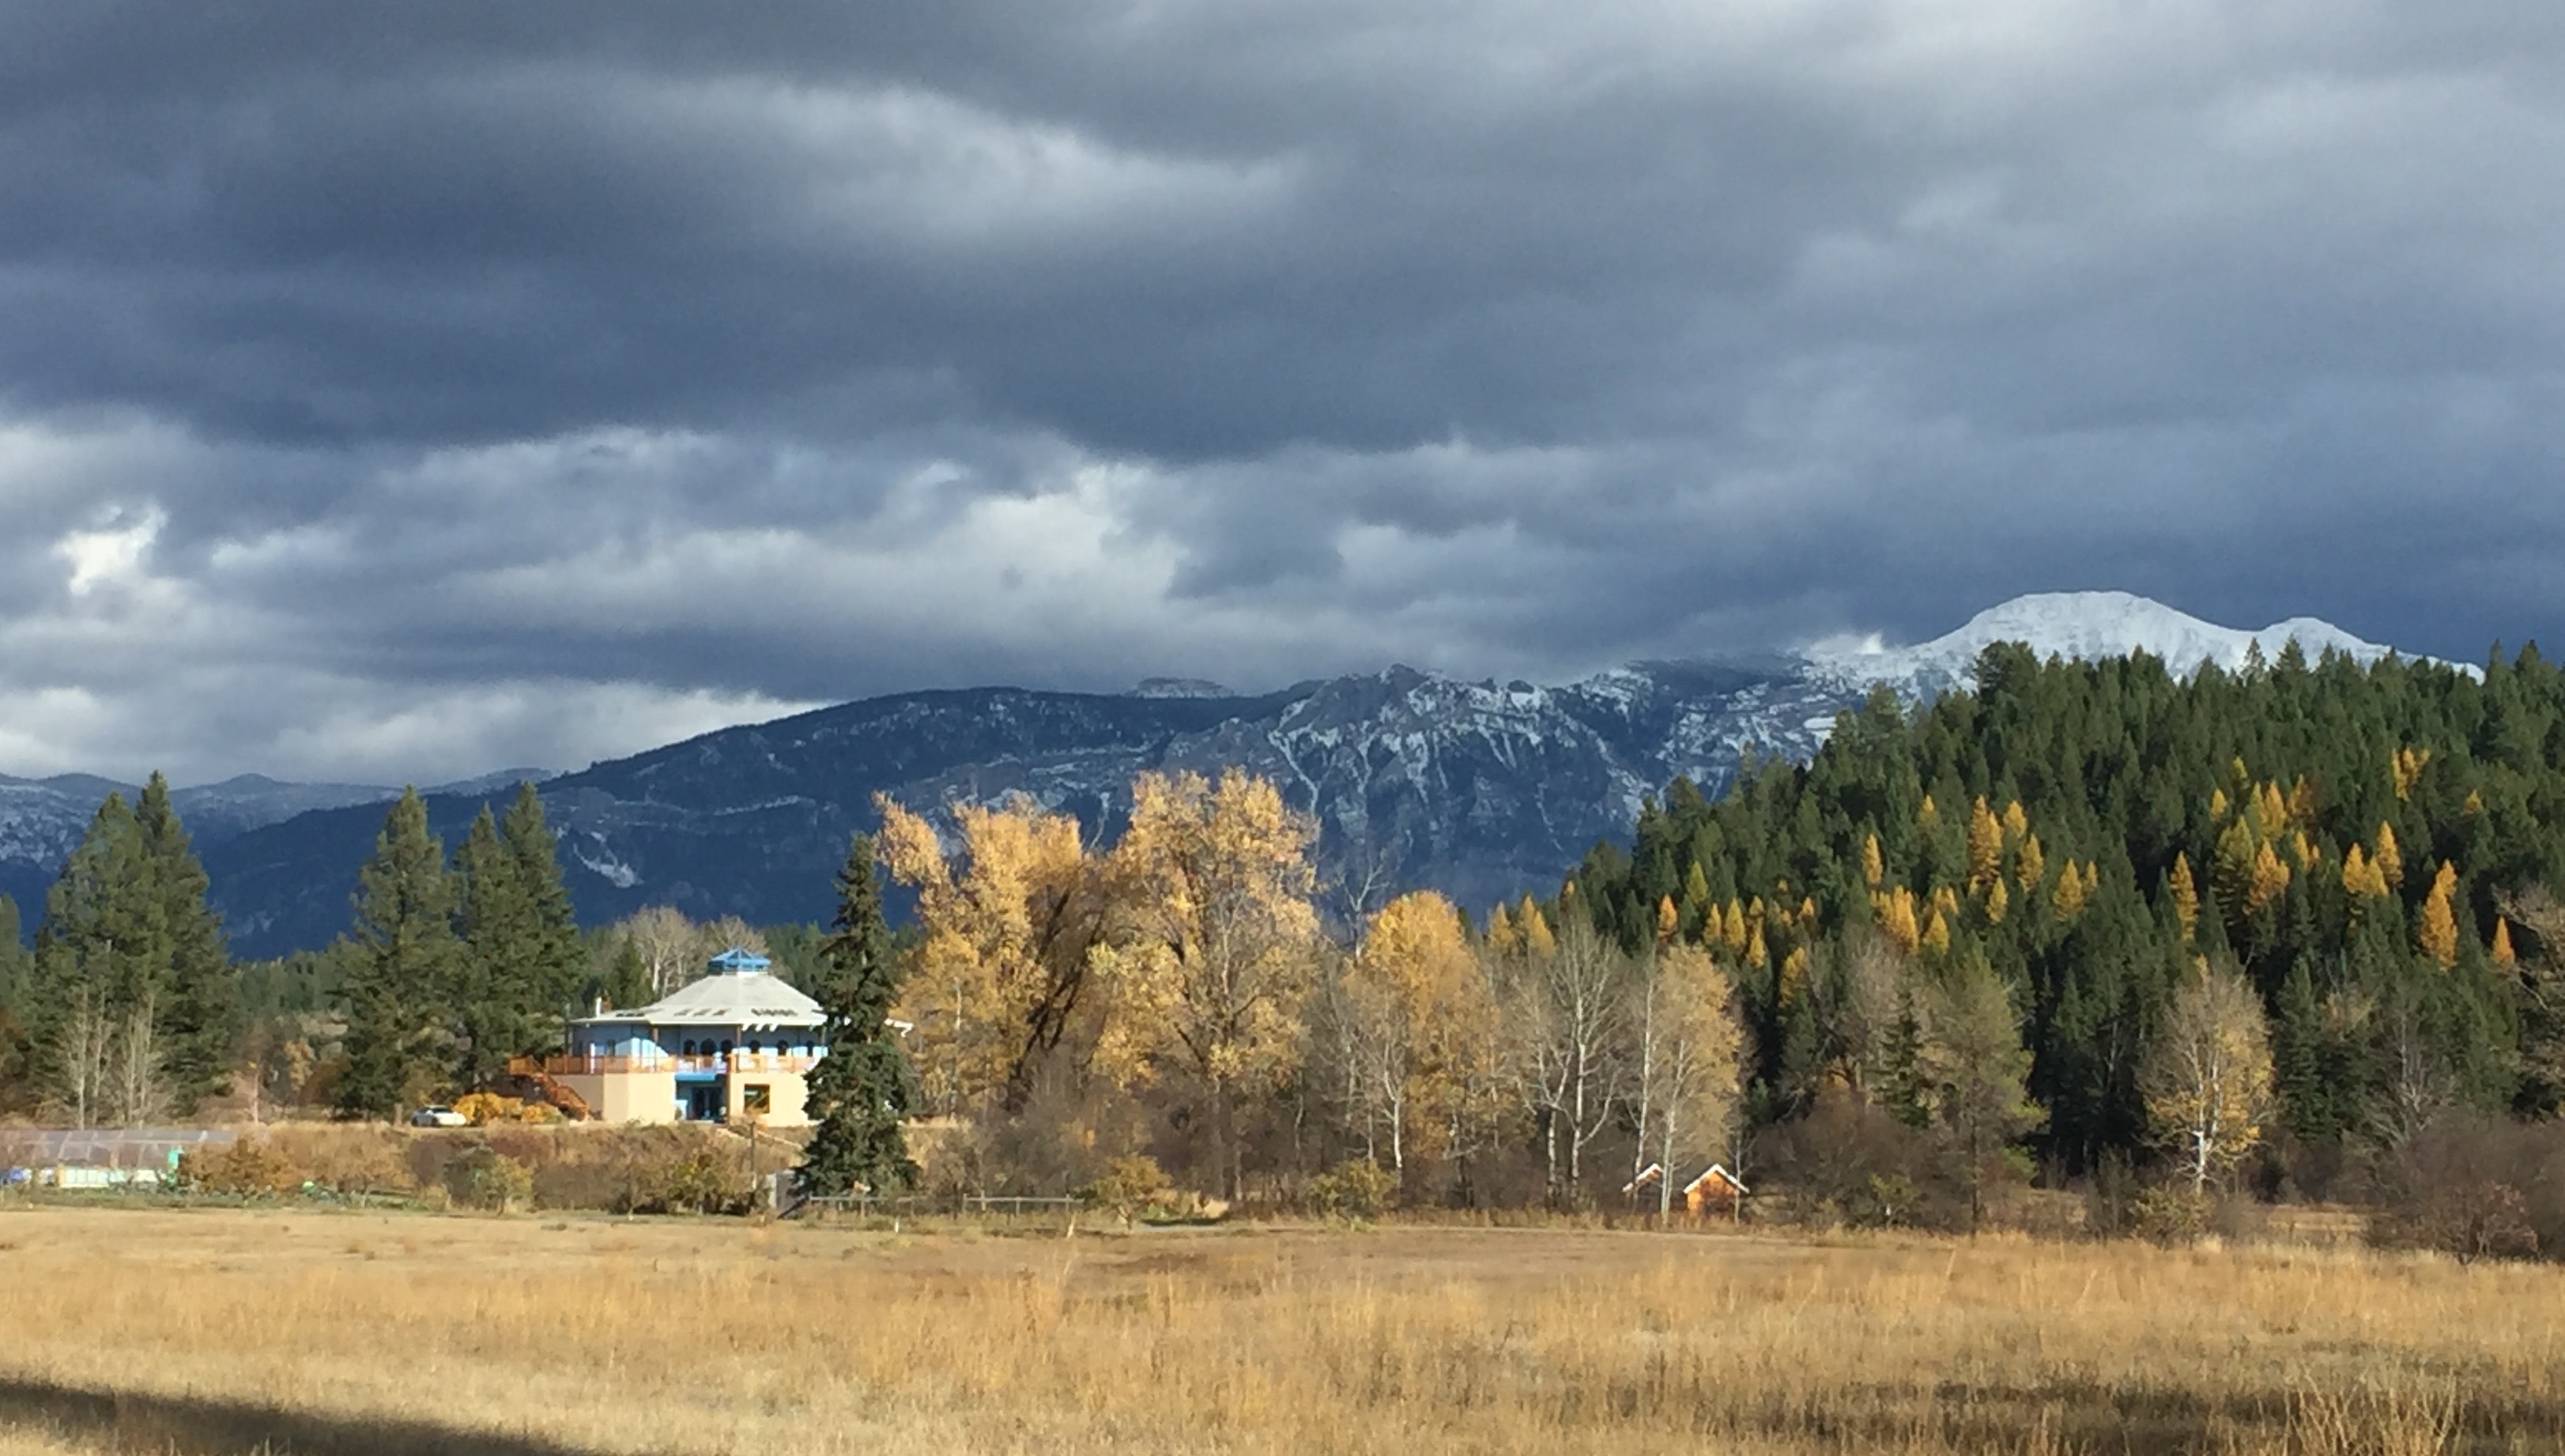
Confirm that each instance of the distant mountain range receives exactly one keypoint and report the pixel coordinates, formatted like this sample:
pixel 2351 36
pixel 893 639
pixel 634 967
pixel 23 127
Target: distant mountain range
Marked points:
pixel 1482 789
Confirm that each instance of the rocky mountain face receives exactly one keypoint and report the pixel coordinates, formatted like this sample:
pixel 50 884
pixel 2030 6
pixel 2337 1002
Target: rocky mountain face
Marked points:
pixel 1479 789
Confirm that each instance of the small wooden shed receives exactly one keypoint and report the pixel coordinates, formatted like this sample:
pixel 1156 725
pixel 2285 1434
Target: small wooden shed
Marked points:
pixel 1716 1191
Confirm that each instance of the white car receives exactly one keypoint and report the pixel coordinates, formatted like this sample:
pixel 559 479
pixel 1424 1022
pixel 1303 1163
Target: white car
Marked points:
pixel 439 1117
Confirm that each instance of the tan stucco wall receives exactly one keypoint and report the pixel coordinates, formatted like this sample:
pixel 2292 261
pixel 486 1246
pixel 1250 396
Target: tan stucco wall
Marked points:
pixel 628 1096
pixel 787 1092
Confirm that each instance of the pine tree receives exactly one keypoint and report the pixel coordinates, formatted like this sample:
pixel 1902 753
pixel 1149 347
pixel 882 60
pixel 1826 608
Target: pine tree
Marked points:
pixel 1973 1067
pixel 627 979
pixel 401 980
pixel 200 1020
pixel 864 1087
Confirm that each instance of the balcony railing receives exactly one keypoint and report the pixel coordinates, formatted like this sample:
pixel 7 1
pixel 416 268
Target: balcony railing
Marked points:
pixel 583 1065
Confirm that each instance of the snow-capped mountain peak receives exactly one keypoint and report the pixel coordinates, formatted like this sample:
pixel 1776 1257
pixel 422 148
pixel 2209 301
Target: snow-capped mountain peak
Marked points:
pixel 2083 627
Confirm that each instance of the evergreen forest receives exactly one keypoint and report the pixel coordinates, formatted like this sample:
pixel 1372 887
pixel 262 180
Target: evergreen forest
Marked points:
pixel 2374 849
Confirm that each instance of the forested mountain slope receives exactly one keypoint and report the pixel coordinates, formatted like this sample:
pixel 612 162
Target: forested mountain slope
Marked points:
pixel 2375 846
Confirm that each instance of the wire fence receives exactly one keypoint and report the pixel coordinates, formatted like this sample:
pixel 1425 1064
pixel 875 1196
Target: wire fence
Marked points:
pixel 791 1203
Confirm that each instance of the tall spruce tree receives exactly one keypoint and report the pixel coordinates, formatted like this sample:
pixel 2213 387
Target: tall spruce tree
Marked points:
pixel 102 978
pixel 556 956
pixel 522 953
pixel 494 1016
pixel 200 1020
pixel 863 1087
pixel 402 979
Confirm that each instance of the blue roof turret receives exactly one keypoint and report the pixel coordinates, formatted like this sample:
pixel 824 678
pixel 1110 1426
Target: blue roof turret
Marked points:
pixel 738 961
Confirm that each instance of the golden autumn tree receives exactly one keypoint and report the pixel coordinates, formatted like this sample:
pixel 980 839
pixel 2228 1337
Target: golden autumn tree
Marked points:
pixel 2389 858
pixel 2185 896
pixel 1998 901
pixel 2207 1076
pixel 2407 767
pixel 1897 919
pixel 1416 1015
pixel 1532 927
pixel 1689 1056
pixel 2502 953
pixel 2029 865
pixel 1005 922
pixel 2067 900
pixel 1873 867
pixel 1985 848
pixel 2438 934
pixel 1213 945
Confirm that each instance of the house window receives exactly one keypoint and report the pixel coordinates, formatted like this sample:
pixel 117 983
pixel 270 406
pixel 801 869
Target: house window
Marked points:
pixel 755 1099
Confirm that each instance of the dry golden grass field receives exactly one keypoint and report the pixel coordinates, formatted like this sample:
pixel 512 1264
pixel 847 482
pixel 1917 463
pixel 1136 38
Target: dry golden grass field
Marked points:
pixel 214 1330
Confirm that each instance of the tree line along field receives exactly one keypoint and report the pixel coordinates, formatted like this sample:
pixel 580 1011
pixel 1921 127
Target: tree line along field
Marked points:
pixel 2178 943
pixel 213 1330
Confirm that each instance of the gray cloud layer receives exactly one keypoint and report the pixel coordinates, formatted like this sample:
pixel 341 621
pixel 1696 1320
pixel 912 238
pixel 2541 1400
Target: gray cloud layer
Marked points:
pixel 405 394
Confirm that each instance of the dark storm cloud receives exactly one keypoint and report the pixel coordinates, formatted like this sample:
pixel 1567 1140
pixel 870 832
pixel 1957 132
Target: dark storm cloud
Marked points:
pixel 406 391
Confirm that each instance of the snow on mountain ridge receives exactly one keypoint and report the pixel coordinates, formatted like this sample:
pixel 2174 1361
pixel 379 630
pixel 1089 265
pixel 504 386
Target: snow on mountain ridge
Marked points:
pixel 2079 626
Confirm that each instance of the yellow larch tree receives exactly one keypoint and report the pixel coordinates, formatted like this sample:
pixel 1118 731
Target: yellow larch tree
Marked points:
pixel 1500 937
pixel 1998 901
pixel 2387 858
pixel 2500 951
pixel 2438 934
pixel 2029 865
pixel 2407 765
pixel 1937 934
pixel 1534 927
pixel 2066 901
pixel 2185 896
pixel 1897 919
pixel 1873 869
pixel 1669 921
pixel 1985 848
pixel 2270 879
pixel 2017 823
pixel 1214 944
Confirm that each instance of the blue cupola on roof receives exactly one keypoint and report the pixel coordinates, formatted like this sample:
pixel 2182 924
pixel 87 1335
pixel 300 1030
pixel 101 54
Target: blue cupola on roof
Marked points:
pixel 737 961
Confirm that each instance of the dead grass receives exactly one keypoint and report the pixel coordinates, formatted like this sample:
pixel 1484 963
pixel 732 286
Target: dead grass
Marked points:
pixel 522 1337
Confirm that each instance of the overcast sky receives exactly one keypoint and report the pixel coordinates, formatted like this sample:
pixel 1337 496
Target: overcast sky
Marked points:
pixel 407 391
